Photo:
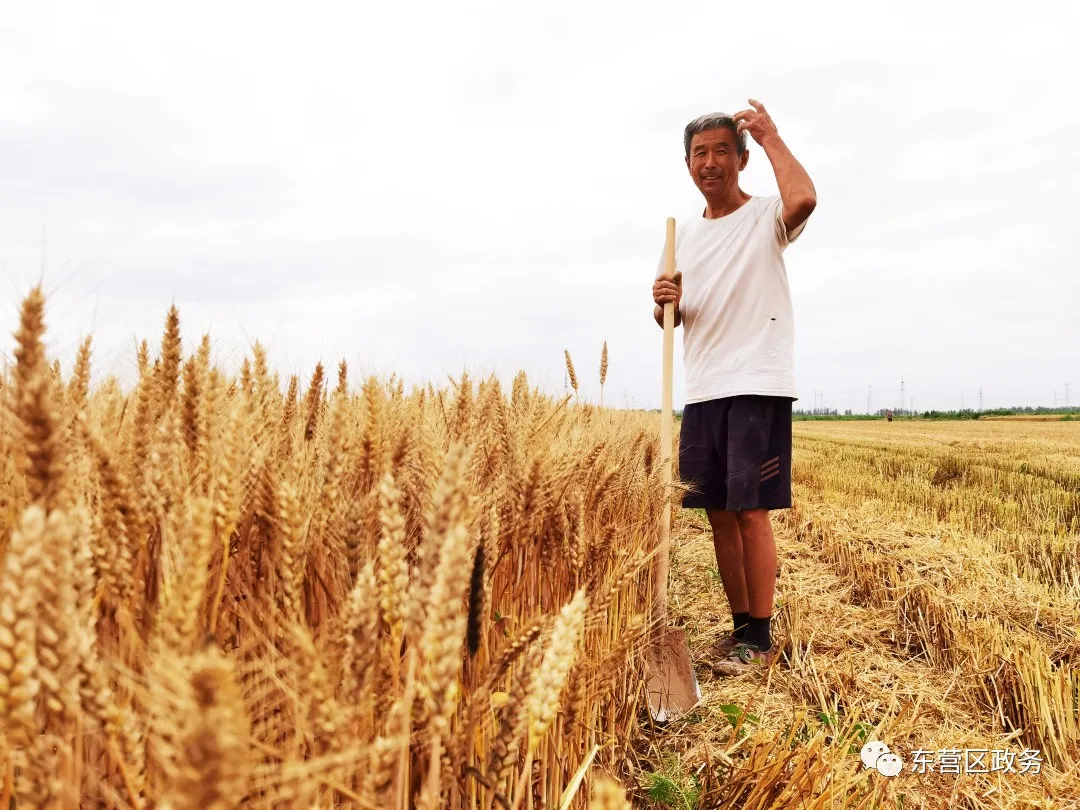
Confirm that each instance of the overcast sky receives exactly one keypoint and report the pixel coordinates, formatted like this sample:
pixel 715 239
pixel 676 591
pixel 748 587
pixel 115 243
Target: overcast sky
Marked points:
pixel 430 188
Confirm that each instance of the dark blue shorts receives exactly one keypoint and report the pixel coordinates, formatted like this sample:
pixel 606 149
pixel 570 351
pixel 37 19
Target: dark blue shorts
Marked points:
pixel 735 453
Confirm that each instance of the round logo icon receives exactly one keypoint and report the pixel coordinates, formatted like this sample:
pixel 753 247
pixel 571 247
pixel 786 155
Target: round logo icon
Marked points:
pixel 871 751
pixel 876 755
pixel 889 765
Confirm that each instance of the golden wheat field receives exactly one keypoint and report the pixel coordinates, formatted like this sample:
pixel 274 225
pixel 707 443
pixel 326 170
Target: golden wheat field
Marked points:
pixel 226 591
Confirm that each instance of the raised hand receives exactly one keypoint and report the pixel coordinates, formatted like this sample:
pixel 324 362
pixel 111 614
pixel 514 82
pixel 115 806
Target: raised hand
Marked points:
pixel 757 122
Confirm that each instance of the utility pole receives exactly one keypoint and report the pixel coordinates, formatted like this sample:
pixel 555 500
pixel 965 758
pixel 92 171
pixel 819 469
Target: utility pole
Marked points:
pixel 1066 395
pixel 980 398
pixel 903 400
pixel 1055 398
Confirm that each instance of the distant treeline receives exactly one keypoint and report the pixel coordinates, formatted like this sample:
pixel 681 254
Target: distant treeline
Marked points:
pixel 1066 414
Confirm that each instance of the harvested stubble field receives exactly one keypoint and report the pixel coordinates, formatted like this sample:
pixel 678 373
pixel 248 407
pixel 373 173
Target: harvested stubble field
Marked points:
pixel 224 591
pixel 1043 417
pixel 929 597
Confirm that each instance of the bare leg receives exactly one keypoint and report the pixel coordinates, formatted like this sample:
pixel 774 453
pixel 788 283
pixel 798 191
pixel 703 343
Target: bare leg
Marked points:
pixel 759 560
pixel 759 570
pixel 728 545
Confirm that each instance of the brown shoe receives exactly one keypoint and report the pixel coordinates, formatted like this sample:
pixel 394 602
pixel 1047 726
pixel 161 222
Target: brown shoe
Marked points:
pixel 742 659
pixel 722 649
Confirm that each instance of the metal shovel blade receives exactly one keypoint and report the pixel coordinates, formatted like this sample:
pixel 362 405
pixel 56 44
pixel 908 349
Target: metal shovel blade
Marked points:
pixel 671 682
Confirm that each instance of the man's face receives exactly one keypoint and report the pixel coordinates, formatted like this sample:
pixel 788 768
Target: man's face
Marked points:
pixel 714 161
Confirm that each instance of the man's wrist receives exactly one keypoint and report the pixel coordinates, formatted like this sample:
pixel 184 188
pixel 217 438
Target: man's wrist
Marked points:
pixel 772 142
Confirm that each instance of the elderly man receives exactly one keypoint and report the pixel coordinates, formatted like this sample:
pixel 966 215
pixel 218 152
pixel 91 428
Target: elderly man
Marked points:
pixel 738 350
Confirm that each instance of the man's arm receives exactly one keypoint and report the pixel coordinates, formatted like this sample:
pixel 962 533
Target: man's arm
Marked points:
pixel 796 188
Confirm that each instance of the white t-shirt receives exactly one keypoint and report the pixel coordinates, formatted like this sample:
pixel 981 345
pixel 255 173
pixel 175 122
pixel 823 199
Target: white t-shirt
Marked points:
pixel 737 320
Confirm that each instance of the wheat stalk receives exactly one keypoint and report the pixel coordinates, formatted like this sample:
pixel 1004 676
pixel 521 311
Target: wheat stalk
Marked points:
pixel 545 695
pixel 603 371
pixel 169 371
pixel 570 373
pixel 19 597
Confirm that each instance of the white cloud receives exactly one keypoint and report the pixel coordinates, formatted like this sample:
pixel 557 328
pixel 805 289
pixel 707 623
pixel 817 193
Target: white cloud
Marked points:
pixel 428 188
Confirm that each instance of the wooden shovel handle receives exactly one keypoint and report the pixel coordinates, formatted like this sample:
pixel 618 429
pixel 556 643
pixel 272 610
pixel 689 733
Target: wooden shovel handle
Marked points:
pixel 661 567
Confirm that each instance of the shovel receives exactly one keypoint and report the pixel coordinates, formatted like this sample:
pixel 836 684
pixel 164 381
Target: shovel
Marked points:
pixel 672 685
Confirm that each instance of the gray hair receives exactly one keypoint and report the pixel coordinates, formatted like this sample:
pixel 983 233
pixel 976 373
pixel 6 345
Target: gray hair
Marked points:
pixel 716 120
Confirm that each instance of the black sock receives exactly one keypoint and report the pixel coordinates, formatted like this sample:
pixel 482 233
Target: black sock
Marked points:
pixel 740 620
pixel 757 633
